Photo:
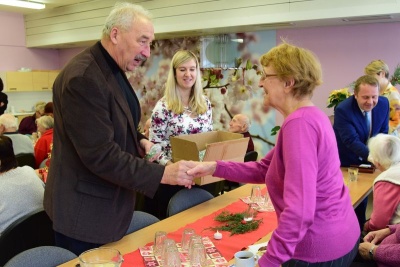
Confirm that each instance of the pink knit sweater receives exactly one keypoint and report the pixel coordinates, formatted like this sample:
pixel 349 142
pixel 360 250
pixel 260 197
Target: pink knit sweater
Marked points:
pixel 316 220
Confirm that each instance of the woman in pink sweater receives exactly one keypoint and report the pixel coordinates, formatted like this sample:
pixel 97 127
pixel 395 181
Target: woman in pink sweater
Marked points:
pixel 317 225
pixel 384 152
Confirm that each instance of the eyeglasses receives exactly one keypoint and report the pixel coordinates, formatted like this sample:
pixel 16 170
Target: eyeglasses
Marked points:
pixel 265 76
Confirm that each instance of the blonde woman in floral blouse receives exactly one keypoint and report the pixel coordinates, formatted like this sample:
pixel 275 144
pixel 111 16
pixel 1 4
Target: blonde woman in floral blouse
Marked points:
pixel 380 70
pixel 184 109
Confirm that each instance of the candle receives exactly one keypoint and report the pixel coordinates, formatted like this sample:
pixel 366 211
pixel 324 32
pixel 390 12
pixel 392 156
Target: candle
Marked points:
pixel 218 235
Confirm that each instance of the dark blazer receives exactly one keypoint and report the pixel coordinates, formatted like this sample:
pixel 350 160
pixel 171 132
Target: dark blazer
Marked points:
pixel 95 166
pixel 351 129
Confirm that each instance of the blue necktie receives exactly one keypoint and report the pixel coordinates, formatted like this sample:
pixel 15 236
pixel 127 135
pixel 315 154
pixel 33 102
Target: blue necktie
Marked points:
pixel 367 121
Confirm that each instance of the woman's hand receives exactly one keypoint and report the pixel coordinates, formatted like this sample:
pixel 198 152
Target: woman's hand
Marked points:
pixel 375 237
pixel 364 248
pixel 199 169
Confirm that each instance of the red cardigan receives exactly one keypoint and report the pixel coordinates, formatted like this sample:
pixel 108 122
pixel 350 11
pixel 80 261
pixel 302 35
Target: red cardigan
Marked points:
pixel 42 147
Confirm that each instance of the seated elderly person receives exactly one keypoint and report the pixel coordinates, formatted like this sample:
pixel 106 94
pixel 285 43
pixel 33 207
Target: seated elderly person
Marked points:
pixel 9 127
pixel 380 248
pixel 21 191
pixel 384 152
pixel 240 123
pixel 44 143
pixel 28 124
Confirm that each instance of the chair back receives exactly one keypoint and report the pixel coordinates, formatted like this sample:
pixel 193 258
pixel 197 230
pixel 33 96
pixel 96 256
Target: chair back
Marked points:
pixel 187 198
pixel 26 159
pixel 45 256
pixel 251 156
pixel 141 220
pixel 32 230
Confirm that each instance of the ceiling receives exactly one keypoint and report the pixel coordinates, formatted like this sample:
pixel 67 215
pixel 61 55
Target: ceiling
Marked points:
pixel 49 5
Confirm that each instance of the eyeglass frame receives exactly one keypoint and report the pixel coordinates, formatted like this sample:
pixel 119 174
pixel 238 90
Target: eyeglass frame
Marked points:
pixel 265 76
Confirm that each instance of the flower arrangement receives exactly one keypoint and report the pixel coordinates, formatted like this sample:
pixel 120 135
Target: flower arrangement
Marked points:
pixel 337 96
pixel 395 79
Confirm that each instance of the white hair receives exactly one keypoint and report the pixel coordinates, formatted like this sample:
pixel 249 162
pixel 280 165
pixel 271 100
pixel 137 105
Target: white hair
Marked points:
pixel 46 121
pixel 384 149
pixel 8 121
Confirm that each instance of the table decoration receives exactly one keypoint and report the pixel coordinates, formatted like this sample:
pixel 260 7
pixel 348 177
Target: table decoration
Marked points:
pixel 235 223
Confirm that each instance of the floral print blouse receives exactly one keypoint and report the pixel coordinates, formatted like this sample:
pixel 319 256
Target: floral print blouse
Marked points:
pixel 165 123
pixel 393 95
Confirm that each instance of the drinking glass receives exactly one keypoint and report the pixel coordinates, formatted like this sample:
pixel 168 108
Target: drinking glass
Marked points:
pixel 187 233
pixel 166 245
pixel 266 204
pixel 159 238
pixel 194 239
pixel 101 257
pixel 353 174
pixel 249 214
pixel 255 194
pixel 198 255
pixel 172 257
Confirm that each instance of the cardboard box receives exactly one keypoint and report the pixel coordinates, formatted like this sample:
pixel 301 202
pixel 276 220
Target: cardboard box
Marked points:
pixel 218 145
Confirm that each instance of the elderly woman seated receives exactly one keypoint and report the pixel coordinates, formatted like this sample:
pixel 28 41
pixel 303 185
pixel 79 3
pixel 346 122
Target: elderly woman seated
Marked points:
pixel 21 191
pixel 380 248
pixel 44 143
pixel 385 155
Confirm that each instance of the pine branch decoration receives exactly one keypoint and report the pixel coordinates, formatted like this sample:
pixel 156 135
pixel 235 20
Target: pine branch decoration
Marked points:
pixel 234 223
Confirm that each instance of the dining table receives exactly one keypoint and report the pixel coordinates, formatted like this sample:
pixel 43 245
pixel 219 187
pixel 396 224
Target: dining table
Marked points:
pixel 358 190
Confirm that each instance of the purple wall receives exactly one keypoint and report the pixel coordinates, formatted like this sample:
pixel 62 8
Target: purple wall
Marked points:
pixel 344 52
pixel 13 52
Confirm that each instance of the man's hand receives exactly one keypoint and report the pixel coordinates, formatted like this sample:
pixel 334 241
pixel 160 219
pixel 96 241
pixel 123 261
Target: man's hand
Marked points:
pixel 176 174
pixel 146 145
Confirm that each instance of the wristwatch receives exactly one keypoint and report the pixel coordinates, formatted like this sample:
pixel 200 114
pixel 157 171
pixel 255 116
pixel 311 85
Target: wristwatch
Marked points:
pixel 371 252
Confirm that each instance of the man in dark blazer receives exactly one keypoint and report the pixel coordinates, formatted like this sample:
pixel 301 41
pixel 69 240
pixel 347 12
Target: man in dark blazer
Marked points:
pixel 350 124
pixel 351 129
pixel 96 164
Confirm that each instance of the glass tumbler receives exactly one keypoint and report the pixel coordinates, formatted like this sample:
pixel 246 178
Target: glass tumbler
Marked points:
pixel 198 256
pixel 255 196
pixel 159 238
pixel 187 233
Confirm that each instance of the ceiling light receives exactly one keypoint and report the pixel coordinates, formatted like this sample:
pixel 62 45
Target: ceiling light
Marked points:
pixel 24 4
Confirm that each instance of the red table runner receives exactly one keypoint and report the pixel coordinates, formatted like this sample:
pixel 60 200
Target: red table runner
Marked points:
pixel 228 245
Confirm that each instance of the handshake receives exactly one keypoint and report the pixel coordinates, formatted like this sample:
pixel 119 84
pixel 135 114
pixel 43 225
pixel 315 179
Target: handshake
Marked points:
pixel 183 172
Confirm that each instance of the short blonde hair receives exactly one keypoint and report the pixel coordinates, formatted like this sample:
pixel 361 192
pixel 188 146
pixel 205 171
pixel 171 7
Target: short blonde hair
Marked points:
pixel 39 107
pixel 173 100
pixel 376 67
pixel 46 121
pixel 384 149
pixel 292 62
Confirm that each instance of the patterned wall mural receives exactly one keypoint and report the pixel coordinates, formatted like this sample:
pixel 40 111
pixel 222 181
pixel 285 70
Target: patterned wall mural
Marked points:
pixel 231 91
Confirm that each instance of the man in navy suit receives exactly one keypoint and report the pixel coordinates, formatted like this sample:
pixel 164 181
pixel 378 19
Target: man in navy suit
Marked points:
pixel 353 127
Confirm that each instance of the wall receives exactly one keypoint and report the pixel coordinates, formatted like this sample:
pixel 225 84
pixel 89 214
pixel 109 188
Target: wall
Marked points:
pixel 14 55
pixel 345 51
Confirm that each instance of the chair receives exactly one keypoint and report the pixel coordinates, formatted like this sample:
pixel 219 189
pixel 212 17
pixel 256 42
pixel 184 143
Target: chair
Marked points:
pixel 26 159
pixel 251 156
pixel 32 230
pixel 45 256
pixel 140 220
pixel 187 198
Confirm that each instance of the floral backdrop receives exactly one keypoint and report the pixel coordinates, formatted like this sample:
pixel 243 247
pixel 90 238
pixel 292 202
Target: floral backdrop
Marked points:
pixel 230 91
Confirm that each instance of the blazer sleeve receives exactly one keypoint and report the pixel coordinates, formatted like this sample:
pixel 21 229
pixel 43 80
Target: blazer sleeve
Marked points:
pixel 350 131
